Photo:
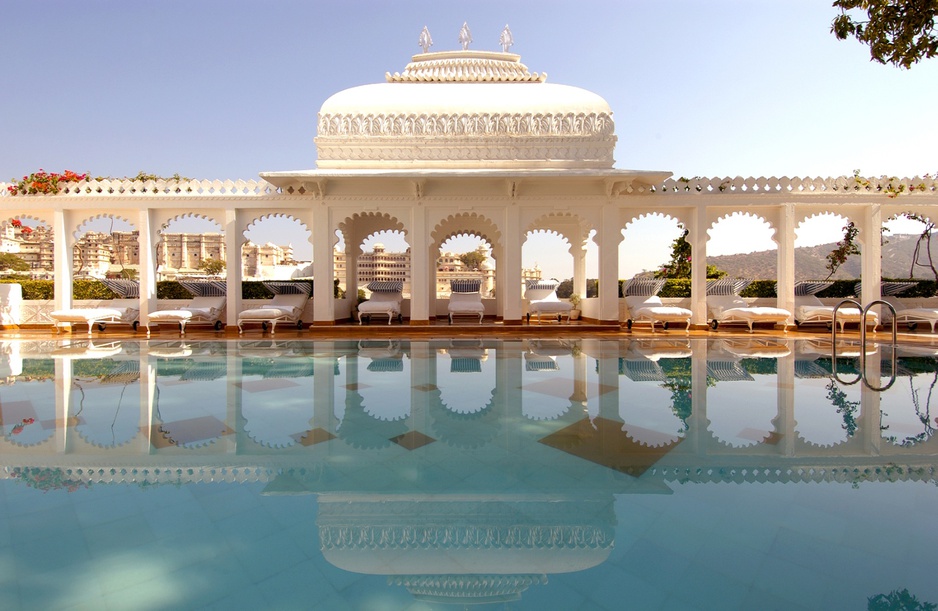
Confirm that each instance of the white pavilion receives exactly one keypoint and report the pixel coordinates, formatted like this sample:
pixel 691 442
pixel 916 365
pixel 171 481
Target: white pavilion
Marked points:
pixel 471 142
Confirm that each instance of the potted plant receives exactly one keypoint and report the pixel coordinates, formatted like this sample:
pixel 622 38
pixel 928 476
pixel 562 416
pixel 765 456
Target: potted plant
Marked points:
pixel 575 302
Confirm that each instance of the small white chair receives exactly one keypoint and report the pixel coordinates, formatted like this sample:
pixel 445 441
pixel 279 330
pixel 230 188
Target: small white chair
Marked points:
pixel 465 299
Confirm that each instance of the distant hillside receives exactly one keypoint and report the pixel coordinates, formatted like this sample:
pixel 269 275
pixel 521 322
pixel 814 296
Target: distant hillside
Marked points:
pixel 810 262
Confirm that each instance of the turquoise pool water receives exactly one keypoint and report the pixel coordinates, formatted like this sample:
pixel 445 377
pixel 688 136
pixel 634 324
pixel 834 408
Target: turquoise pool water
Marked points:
pixel 589 474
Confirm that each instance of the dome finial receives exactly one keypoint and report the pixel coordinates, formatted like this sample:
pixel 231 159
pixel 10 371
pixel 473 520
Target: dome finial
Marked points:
pixel 506 40
pixel 425 41
pixel 465 37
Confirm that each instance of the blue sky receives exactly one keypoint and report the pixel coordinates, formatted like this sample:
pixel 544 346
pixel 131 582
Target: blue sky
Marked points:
pixel 219 90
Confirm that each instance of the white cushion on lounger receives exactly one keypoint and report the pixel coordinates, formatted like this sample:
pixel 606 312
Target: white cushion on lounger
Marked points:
pixel 466 303
pixel 652 308
pixel 734 307
pixel 382 302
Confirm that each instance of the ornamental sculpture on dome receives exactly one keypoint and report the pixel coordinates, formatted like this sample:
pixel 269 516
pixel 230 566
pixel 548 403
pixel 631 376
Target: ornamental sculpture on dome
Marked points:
pixel 466 66
pixel 506 40
pixel 465 37
pixel 425 41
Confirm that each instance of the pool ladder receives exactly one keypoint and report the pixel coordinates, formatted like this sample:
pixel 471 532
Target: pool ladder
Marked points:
pixel 864 312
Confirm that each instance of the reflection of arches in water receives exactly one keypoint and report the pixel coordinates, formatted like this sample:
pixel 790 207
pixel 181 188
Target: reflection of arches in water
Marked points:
pixel 907 417
pixel 742 415
pixel 361 431
pixel 466 379
pixel 191 410
pixel 464 430
pixel 652 424
pixel 276 400
pixel 384 384
pixel 827 422
pixel 106 408
pixel 545 391
pixel 27 410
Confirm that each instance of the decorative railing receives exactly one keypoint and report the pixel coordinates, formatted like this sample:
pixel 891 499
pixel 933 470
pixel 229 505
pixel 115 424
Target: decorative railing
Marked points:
pixel 844 185
pixel 182 188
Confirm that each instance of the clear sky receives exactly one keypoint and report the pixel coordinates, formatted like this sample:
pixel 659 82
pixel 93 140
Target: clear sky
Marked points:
pixel 227 89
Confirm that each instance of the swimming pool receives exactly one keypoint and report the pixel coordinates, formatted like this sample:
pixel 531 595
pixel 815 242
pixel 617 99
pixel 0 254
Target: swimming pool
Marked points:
pixel 737 473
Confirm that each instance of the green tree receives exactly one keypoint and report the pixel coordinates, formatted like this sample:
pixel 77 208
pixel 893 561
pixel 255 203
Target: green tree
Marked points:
pixel 212 267
pixel 680 263
pixel 11 261
pixel 898 32
pixel 473 260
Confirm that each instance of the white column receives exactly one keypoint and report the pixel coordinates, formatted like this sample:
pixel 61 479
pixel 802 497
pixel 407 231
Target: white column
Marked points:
pixel 419 266
pixel 233 240
pixel 62 265
pixel 785 238
pixel 323 267
pixel 509 281
pixel 578 250
pixel 147 238
pixel 610 234
pixel 697 236
pixel 871 264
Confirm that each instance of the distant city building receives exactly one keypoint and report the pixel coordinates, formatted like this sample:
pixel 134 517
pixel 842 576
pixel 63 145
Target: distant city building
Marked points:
pixel 379 264
pixel 180 254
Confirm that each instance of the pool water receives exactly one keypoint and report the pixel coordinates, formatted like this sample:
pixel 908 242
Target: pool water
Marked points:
pixel 736 473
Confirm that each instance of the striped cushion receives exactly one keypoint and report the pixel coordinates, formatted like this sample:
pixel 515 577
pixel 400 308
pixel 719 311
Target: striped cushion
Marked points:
pixel 205 288
pixel 643 287
pixel 811 288
pixel 465 286
pixel 128 289
pixel 727 286
pixel 290 287
pixel 542 285
pixel 385 286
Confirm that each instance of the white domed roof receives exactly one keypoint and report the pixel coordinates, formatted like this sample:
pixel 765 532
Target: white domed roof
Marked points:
pixel 465 109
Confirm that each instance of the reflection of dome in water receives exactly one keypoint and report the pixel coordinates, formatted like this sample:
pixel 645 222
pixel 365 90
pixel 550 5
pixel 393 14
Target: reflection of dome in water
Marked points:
pixel 465 551
pixel 467 589
pixel 465 109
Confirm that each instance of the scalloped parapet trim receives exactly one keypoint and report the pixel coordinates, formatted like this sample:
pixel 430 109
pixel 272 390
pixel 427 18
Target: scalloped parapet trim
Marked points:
pixel 553 536
pixel 466 125
pixel 466 67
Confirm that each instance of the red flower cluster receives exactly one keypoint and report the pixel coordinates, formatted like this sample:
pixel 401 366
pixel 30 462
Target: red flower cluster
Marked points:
pixel 43 182
pixel 18 428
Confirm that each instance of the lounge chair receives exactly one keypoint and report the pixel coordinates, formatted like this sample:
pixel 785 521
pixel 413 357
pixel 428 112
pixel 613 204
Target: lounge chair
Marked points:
pixel 810 310
pixel 286 307
pixel 910 316
pixel 123 311
pixel 542 299
pixel 465 299
pixel 727 307
pixel 386 298
pixel 206 307
pixel 641 296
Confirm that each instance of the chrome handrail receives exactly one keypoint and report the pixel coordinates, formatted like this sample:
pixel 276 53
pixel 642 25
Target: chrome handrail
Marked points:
pixel 864 311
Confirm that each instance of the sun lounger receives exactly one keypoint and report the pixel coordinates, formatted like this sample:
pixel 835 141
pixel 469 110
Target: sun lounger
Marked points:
pixel 727 307
pixel 810 310
pixel 465 299
pixel 641 296
pixel 125 310
pixel 286 307
pixel 386 298
pixel 542 300
pixel 911 317
pixel 206 307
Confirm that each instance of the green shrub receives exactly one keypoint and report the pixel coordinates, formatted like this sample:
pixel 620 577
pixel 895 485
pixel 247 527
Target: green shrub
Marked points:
pixel 759 288
pixel 676 287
